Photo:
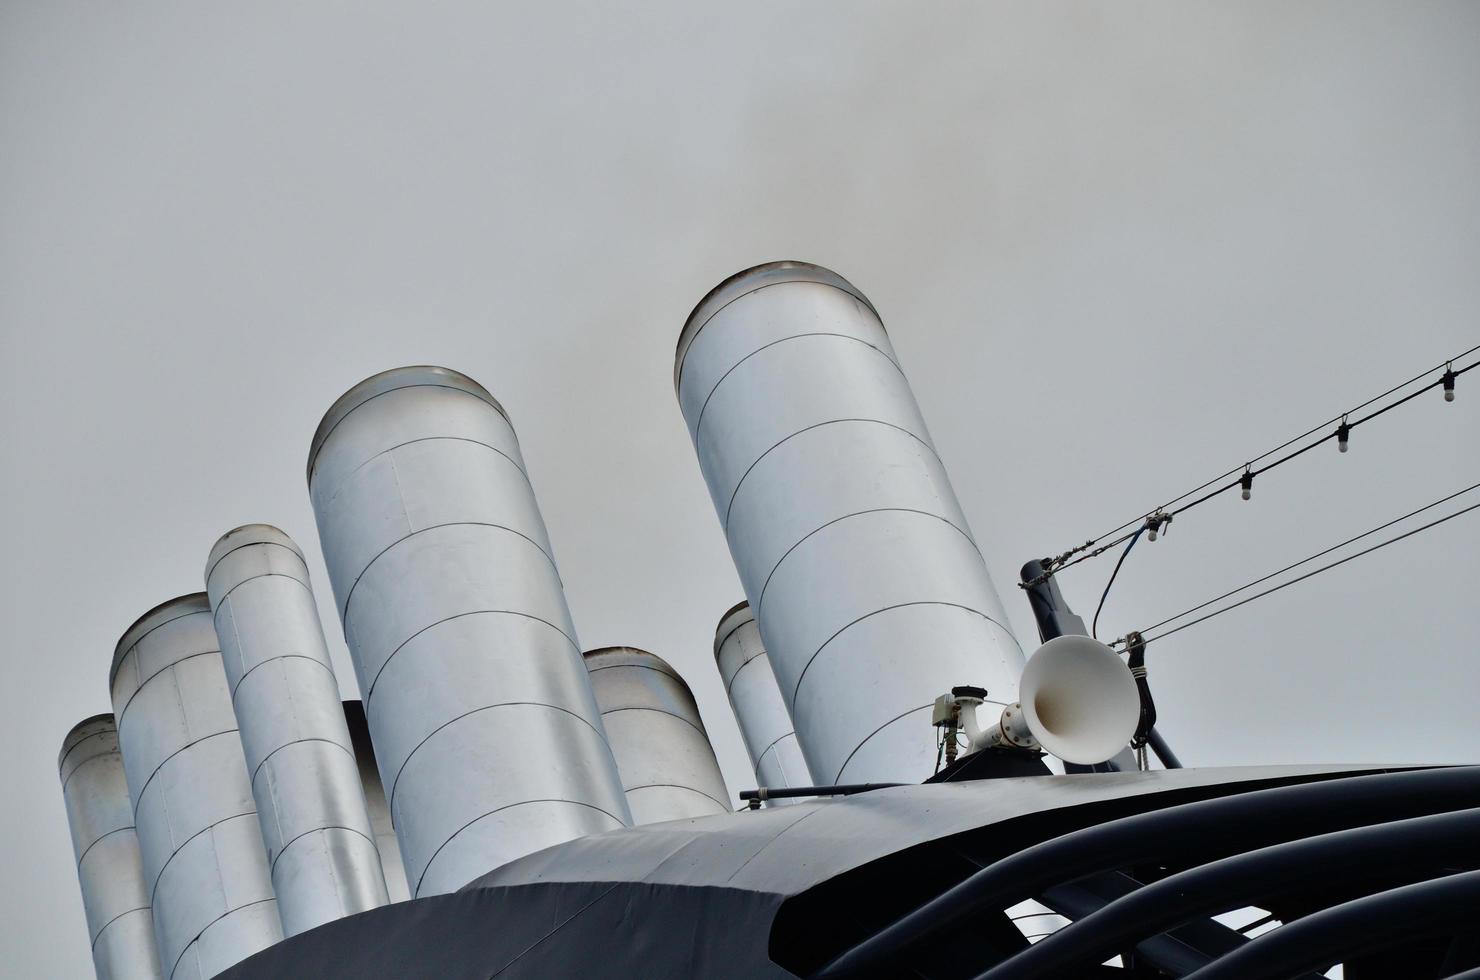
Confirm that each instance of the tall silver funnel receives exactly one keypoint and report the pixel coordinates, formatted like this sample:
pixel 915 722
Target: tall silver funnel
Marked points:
pixel 663 753
pixel 487 736
pixel 120 924
pixel 870 592
pixel 204 863
pixel 320 843
pixel 756 699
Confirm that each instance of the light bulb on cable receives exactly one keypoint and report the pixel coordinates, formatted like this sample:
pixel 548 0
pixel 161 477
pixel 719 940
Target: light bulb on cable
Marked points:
pixel 1449 384
pixel 1343 433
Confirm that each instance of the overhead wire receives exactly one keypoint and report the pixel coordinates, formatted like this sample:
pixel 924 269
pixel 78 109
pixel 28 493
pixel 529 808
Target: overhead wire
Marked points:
pixel 1311 558
pixel 1084 552
pixel 1301 578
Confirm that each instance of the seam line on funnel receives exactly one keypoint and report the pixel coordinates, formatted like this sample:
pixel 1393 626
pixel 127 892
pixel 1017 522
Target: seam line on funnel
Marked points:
pixel 699 422
pixel 84 762
pixel 730 684
pixel 272 660
pixel 166 760
pixel 720 641
pixel 309 833
pixel 898 605
pixel 476 612
pixel 141 908
pixel 133 647
pixel 661 711
pixel 177 848
pixel 455 834
pixel 870 735
pixel 313 468
pixel 678 380
pixel 630 666
pixel 96 840
pixel 288 745
pixel 203 931
pixel 774 742
pixel 687 789
pixel 411 442
pixel 876 510
pixel 255 544
pixel 216 610
pixel 146 681
pixel 391 799
pixel 62 763
pixel 730 505
pixel 350 595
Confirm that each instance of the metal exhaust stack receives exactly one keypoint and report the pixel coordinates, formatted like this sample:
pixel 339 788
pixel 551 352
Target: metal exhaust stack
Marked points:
pixel 199 837
pixel 756 699
pixel 320 844
pixel 871 594
pixel 487 736
pixel 375 803
pixel 120 924
pixel 663 753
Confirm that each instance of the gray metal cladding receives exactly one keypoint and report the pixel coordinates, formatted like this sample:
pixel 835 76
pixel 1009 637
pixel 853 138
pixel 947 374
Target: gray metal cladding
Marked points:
pixel 376 804
pixel 663 753
pixel 204 863
pixel 871 595
pixel 120 924
pixel 304 776
pixel 487 736
pixel 759 708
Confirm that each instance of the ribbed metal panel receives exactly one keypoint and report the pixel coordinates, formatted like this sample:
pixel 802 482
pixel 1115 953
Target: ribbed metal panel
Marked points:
pixel 204 863
pixel 120 924
pixel 320 844
pixel 663 753
pixel 485 729
pixel 759 708
pixel 870 592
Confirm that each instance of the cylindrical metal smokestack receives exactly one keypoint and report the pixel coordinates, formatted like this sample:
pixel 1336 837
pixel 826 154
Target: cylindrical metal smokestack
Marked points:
pixel 667 765
pixel 376 804
pixel 204 863
pixel 120 924
pixel 485 729
pixel 756 699
pixel 871 594
pixel 320 844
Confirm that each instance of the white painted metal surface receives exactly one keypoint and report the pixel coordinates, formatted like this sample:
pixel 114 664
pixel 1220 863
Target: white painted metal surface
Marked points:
pixel 871 594
pixel 204 863
pixel 320 844
pixel 486 733
pixel 759 708
pixel 663 753
pixel 120 924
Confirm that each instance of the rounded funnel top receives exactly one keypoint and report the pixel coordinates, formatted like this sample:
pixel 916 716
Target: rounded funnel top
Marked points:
pixel 628 657
pixel 748 281
pixel 165 612
pixel 246 536
pixel 386 381
pixel 84 730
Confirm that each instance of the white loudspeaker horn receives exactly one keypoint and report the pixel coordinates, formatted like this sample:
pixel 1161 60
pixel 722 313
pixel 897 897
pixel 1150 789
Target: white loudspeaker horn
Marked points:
pixel 1076 699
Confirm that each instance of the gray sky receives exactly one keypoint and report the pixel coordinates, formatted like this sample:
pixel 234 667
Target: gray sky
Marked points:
pixel 1118 248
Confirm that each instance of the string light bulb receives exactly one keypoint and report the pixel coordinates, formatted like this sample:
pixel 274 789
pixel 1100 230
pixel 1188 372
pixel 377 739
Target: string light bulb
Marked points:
pixel 1449 383
pixel 1343 435
pixel 1247 483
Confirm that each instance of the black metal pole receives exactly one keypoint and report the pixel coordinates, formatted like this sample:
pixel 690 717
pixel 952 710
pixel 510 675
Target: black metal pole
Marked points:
pixel 1405 850
pixel 1344 932
pixel 1206 829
